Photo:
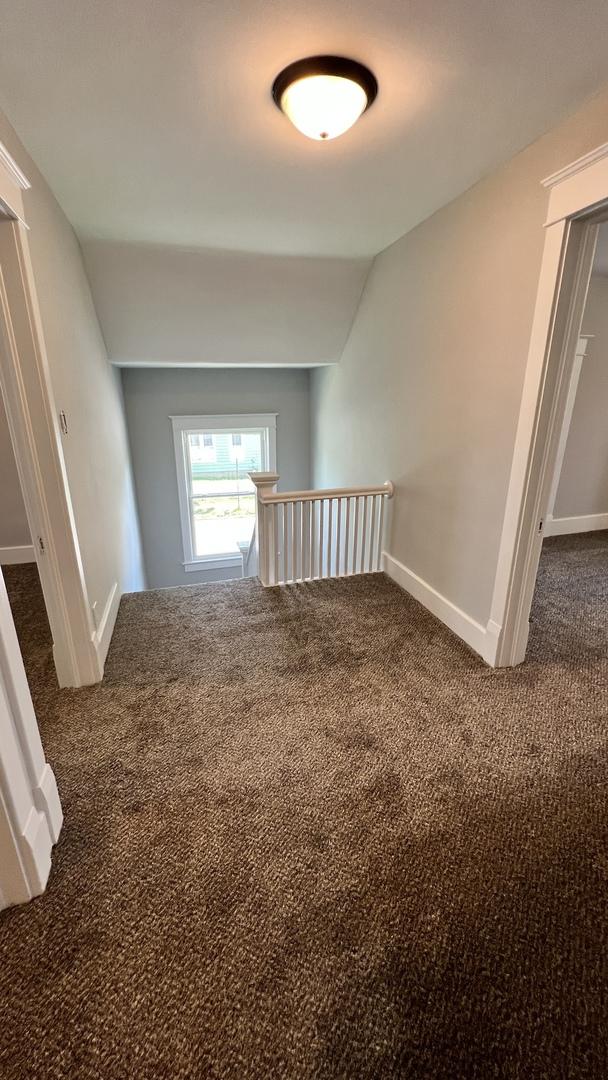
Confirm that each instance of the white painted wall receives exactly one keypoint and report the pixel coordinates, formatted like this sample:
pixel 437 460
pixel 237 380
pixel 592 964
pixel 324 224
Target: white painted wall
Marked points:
pixel 583 483
pixel 14 529
pixel 87 389
pixel 429 387
pixel 153 395
pixel 166 305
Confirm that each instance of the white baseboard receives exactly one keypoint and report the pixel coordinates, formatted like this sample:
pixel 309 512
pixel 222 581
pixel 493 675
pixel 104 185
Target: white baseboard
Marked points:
pixel 21 554
pixel 35 845
pixel 46 798
pixel 581 524
pixel 103 634
pixel 482 639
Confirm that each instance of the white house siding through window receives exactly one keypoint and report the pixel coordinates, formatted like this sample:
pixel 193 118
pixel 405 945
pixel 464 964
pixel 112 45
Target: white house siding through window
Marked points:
pixel 214 456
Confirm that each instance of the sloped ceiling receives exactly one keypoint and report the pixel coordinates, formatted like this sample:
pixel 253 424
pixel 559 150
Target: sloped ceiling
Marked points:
pixel 161 305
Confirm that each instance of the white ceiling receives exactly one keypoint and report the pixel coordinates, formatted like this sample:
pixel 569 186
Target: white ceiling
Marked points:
pixel 152 120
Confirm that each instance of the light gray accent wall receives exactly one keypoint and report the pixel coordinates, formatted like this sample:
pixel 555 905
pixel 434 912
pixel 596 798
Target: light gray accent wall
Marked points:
pixel 153 395
pixel 429 388
pixel 168 305
pixel 583 483
pixel 96 449
pixel 14 529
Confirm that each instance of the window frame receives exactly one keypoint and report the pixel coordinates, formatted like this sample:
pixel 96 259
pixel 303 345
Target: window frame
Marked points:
pixel 216 424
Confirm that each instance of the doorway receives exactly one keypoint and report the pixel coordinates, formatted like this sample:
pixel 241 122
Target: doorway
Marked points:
pixel 578 204
pixel 33 424
pixel 569 615
pixel 18 556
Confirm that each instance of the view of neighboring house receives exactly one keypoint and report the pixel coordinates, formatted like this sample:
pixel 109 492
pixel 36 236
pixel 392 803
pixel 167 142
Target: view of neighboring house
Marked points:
pixel 223 496
pixel 303 540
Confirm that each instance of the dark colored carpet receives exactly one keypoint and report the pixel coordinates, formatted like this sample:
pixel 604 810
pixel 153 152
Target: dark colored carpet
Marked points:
pixel 309 835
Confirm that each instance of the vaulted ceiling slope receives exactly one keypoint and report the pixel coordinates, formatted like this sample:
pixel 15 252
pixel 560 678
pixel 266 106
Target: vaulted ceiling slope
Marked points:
pixel 167 306
pixel 153 121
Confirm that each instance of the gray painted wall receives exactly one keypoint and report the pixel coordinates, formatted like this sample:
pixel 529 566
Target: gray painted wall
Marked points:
pixel 583 484
pixel 152 395
pixel 14 529
pixel 168 305
pixel 429 387
pixel 86 387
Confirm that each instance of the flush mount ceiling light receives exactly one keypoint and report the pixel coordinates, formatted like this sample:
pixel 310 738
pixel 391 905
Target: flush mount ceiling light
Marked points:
pixel 324 96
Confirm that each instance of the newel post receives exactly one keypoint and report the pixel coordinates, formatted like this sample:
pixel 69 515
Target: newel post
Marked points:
pixel 265 482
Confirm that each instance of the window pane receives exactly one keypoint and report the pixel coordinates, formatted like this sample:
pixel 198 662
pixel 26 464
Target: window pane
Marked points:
pixel 222 467
pixel 220 522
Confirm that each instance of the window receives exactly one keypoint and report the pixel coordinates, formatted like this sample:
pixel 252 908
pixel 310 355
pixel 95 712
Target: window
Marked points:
pixel 214 456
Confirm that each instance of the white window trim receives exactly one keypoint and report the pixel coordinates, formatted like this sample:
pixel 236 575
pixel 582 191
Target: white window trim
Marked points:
pixel 218 423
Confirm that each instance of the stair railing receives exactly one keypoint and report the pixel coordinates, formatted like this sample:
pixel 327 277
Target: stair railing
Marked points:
pixel 309 535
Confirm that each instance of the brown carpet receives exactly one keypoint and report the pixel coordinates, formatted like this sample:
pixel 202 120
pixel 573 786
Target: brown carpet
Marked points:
pixel 309 835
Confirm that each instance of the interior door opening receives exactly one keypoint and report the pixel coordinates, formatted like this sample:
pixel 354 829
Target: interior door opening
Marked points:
pixel 569 614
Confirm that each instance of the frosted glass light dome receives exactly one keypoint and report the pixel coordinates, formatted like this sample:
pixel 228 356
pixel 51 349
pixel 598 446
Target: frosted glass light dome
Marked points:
pixel 324 106
pixel 324 96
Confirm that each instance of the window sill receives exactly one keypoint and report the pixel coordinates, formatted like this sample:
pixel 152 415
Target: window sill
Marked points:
pixel 214 562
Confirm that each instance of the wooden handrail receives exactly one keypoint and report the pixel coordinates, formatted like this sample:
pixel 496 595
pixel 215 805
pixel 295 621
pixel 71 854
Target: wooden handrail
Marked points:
pixel 313 495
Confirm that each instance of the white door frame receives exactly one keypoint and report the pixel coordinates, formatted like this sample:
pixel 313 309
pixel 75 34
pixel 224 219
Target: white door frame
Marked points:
pixel 577 367
pixel 33 421
pixel 577 195
pixel 30 811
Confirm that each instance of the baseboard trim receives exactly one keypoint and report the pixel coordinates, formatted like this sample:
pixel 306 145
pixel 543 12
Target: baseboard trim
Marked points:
pixel 36 845
pixel 46 798
pixel 580 524
pixel 103 634
pixel 23 553
pixel 484 640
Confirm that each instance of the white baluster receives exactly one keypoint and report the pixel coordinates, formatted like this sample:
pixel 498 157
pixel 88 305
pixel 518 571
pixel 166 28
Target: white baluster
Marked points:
pixel 348 538
pixel 294 549
pixel 356 535
pixel 311 530
pixel 330 514
pixel 275 533
pixel 338 531
pixel 372 534
pixel 285 543
pixel 380 532
pixel 363 536
pixel 302 541
pixel 321 534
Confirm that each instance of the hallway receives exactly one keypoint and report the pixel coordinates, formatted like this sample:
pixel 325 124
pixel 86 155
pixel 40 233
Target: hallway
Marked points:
pixel 309 834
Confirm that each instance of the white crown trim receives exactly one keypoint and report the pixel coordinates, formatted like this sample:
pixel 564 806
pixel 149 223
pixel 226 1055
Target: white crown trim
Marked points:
pixel 10 166
pixel 576 166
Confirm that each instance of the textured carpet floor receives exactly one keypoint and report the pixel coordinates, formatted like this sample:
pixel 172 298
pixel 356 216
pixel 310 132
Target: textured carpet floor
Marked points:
pixel 309 835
